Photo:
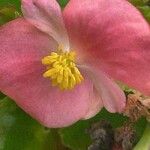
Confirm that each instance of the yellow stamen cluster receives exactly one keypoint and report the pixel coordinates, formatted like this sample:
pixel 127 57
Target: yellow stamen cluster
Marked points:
pixel 62 70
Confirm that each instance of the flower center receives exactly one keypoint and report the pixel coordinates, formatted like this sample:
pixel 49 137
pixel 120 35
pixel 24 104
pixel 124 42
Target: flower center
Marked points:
pixel 62 70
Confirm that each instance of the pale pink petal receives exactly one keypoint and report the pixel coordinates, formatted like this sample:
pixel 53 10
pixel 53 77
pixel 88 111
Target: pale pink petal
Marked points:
pixel 113 35
pixel 113 98
pixel 46 15
pixel 22 48
pixel 96 104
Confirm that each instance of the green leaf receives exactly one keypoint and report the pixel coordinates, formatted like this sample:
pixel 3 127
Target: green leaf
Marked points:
pixel 12 3
pixel 18 131
pixel 143 6
pixel 2 96
pixel 144 143
pixel 140 126
pixel 75 137
pixel 62 2
pixel 137 2
pixel 7 14
pixel 145 11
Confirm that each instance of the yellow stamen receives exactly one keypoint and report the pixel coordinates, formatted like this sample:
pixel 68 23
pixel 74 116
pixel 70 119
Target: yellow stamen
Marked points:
pixel 62 70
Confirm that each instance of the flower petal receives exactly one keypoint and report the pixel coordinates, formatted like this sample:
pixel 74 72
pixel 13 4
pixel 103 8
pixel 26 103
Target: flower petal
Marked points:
pixel 113 98
pixel 21 50
pixel 46 15
pixel 113 35
pixel 96 104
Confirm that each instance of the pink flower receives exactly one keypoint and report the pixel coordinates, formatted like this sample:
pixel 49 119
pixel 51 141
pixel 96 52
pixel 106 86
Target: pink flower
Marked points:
pixel 111 39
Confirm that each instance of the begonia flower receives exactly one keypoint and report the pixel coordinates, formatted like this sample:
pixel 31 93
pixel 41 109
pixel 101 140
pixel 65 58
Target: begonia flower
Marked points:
pixel 61 66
